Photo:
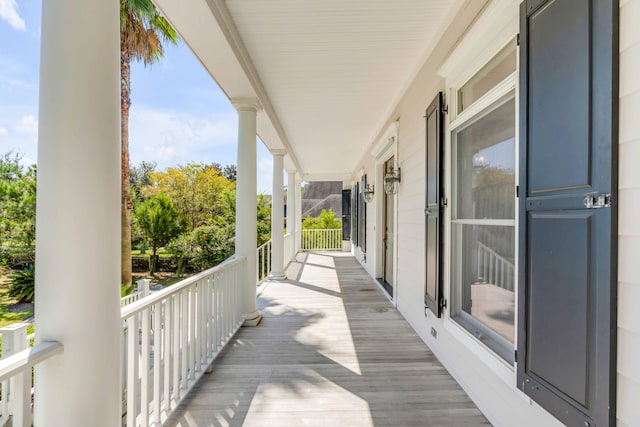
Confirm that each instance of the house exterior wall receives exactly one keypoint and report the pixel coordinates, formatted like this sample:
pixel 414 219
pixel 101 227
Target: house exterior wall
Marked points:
pixel 629 226
pixel 488 380
pixel 367 258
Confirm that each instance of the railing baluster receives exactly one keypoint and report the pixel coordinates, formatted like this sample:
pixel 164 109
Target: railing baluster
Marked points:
pixel 199 322
pixel 132 369
pixel 205 323
pixel 192 332
pixel 177 307
pixel 157 361
pixel 225 313
pixel 168 342
pixel 184 335
pixel 144 368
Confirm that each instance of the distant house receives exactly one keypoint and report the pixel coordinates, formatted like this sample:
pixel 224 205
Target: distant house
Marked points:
pixel 319 195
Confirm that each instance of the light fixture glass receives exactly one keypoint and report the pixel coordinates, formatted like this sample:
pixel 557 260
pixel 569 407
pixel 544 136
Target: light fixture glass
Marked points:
pixel 368 193
pixel 392 181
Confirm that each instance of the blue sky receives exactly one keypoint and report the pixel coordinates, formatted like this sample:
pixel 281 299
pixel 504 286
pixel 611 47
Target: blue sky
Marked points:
pixel 178 113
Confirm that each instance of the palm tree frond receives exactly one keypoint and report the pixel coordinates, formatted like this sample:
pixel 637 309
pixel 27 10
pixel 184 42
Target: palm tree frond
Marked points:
pixel 142 31
pixel 165 30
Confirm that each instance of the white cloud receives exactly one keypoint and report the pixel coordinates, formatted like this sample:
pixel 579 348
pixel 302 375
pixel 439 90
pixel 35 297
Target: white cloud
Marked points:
pixel 11 115
pixel 27 161
pixel 171 137
pixel 9 13
pixel 265 175
pixel 27 124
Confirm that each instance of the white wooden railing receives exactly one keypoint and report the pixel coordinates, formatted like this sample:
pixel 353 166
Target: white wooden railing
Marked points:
pixel 322 240
pixel 263 258
pixel 495 269
pixel 142 290
pixel 18 359
pixel 289 247
pixel 171 337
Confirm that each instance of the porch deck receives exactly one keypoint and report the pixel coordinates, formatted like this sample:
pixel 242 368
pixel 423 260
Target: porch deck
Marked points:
pixel 330 351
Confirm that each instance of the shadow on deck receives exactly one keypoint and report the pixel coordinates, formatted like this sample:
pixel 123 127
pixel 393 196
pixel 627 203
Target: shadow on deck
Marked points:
pixel 330 351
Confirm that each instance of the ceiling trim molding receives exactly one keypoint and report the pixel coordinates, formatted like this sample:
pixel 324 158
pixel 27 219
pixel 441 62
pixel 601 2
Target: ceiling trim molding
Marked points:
pixel 278 152
pixel 230 31
pixel 246 104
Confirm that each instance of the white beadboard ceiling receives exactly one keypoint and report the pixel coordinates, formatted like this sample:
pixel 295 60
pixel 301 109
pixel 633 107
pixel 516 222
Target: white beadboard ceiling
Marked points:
pixel 328 73
pixel 334 69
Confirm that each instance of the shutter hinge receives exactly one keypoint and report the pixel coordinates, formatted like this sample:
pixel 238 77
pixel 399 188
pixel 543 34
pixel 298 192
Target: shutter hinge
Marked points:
pixel 596 201
pixel 518 39
pixel 444 202
pixel 443 303
pixel 515 355
pixel 517 191
pixel 445 109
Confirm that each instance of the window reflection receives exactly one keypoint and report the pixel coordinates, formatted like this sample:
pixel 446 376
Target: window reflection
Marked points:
pixel 483 227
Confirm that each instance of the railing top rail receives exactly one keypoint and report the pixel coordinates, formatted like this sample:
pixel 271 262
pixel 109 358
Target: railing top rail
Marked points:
pixel 143 303
pixel 263 245
pixel 25 359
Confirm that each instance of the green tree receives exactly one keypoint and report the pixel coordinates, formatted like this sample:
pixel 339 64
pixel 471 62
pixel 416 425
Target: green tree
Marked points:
pixel 326 221
pixel 158 220
pixel 264 219
pixel 142 32
pixel 139 177
pixel 17 202
pixel 200 193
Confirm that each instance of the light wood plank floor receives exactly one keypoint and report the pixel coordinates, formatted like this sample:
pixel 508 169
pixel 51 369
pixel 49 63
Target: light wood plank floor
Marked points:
pixel 330 351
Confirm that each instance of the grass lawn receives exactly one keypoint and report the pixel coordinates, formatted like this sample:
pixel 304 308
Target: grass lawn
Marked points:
pixel 162 278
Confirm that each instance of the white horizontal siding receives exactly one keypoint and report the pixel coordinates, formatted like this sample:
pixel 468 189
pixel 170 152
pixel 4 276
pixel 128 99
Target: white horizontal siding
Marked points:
pixel 490 385
pixel 495 393
pixel 629 223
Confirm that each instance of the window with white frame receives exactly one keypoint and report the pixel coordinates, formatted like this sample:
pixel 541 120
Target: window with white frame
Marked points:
pixel 483 179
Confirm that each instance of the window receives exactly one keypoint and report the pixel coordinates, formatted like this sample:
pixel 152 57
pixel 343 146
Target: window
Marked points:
pixel 483 177
pixel 499 68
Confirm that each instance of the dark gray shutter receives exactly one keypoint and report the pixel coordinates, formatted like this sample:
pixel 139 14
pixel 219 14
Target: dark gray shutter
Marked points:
pixel 346 214
pixel 354 214
pixel 434 206
pixel 362 216
pixel 568 216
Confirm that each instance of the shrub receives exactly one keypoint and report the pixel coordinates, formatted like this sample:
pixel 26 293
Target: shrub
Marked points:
pixel 23 284
pixel 325 221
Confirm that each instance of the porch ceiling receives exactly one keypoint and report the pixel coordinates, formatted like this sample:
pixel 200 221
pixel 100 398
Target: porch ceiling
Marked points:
pixel 329 73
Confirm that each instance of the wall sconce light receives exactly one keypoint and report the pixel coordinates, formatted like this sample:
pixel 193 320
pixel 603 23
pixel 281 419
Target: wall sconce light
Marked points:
pixel 368 193
pixel 392 181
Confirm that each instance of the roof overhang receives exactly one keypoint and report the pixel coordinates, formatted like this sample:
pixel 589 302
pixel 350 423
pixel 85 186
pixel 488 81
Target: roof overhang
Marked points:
pixel 328 74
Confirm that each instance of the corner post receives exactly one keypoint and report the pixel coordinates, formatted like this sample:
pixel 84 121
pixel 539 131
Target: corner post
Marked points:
pixel 77 290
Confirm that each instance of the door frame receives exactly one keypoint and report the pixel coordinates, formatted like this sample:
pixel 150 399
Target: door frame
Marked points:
pixel 386 148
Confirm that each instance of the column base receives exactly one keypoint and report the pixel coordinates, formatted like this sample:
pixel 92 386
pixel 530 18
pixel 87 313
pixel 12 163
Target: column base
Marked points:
pixel 276 277
pixel 252 319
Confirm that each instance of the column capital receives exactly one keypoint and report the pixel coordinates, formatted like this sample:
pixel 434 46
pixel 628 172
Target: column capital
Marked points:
pixel 246 104
pixel 278 152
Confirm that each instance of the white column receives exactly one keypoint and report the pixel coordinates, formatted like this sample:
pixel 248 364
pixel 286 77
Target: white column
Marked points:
pixel 246 209
pixel 298 226
pixel 277 217
pixel 78 214
pixel 291 210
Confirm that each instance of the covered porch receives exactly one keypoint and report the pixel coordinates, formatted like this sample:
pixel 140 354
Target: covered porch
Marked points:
pixel 330 350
